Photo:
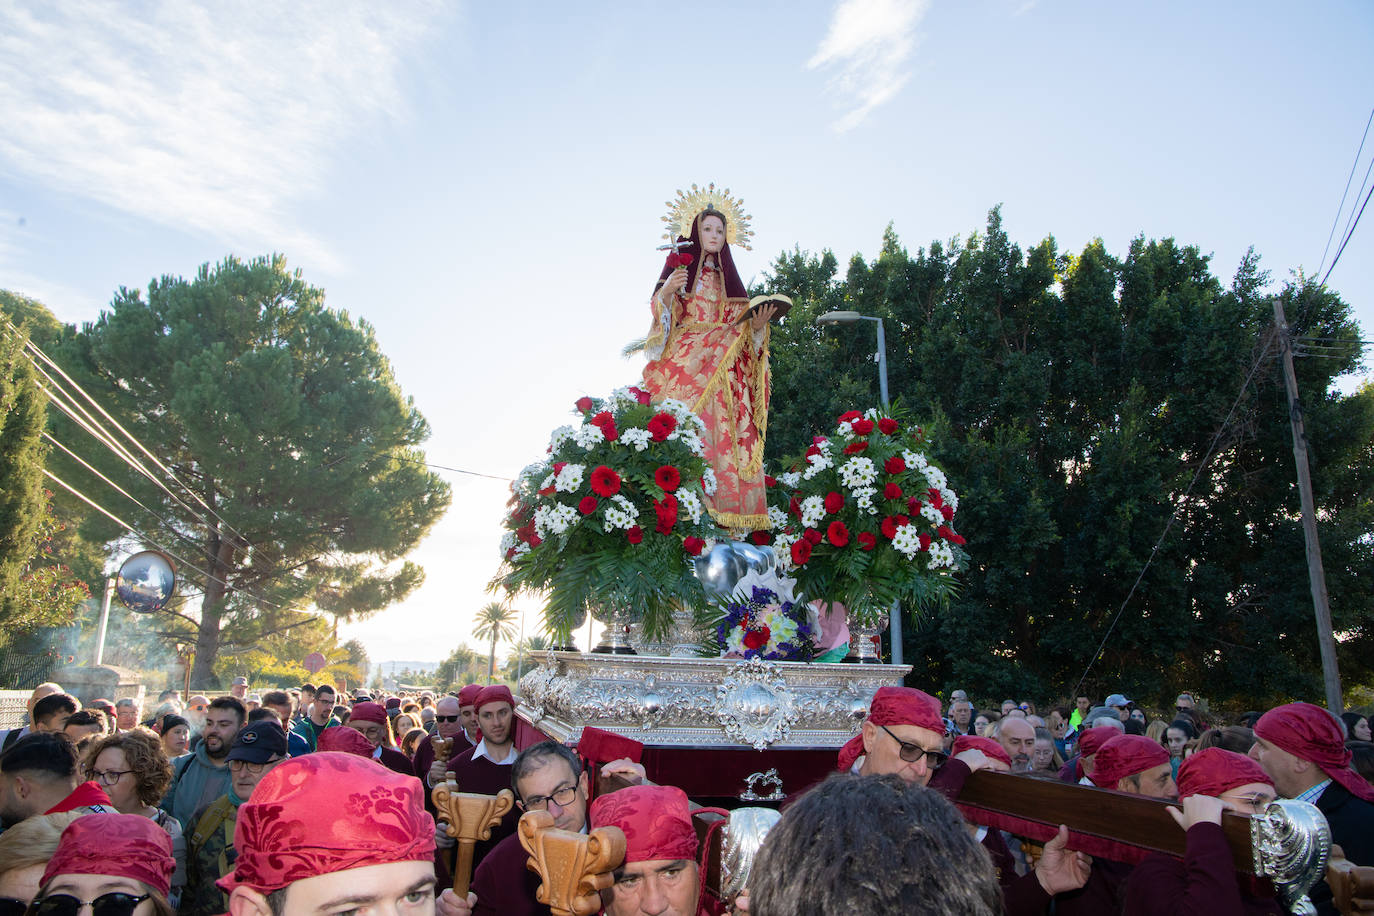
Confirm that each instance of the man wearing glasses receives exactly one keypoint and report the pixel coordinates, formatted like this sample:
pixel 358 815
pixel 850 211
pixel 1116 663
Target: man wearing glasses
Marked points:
pixel 210 853
pixel 546 777
pixel 448 716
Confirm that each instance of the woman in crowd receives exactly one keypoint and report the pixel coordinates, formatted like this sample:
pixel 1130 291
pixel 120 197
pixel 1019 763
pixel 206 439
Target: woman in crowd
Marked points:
pixel 1236 738
pixel 120 863
pixel 1362 759
pixel 1176 736
pixel 134 771
pixel 1356 726
pixel 176 735
pixel 412 740
pixel 25 850
pixel 1046 757
pixel 1156 729
pixel 405 723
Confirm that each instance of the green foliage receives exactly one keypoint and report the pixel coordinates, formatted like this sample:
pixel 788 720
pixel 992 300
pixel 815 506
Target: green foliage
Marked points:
pixel 281 415
pixel 527 654
pixel 1073 397
pixel 462 667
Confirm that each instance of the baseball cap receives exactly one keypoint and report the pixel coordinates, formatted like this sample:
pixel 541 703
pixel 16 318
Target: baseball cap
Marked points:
pixel 240 682
pixel 258 742
pixel 1117 699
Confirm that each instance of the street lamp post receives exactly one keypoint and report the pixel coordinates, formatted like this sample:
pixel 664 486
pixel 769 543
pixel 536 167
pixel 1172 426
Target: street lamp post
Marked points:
pixel 831 319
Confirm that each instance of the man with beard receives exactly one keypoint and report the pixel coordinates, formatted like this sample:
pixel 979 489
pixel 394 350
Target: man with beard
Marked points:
pixel 210 854
pixel 448 715
pixel 39 774
pixel 320 717
pixel 1017 737
pixel 202 777
pixel 486 768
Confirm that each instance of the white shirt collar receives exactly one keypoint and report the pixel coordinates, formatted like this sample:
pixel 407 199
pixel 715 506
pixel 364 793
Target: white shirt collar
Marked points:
pixel 481 751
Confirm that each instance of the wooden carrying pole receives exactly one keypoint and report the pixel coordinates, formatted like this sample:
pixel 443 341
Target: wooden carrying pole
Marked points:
pixel 1331 676
pixel 573 868
pixel 467 818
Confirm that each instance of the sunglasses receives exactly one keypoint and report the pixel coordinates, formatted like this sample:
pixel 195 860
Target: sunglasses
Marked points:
pixel 445 718
pixel 11 907
pixel 914 752
pixel 113 904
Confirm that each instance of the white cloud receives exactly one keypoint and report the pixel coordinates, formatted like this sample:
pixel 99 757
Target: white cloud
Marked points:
pixel 210 118
pixel 868 42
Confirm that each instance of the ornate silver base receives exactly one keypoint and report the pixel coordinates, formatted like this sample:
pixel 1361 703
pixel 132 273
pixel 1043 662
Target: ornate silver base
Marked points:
pixel 615 637
pixel 863 647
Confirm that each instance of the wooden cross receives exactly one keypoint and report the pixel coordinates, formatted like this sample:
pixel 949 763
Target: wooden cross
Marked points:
pixel 573 867
pixel 468 817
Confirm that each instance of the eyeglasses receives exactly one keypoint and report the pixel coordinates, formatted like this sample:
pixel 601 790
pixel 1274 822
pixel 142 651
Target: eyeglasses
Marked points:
pixel 445 718
pixel 108 777
pixel 562 797
pixel 914 752
pixel 255 768
pixel 114 904
pixel 200 708
pixel 12 907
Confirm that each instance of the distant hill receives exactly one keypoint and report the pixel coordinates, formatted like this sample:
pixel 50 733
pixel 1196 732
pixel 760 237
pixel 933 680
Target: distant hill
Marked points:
pixel 389 668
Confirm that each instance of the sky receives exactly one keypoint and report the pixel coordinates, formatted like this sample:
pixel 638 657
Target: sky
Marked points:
pixel 483 183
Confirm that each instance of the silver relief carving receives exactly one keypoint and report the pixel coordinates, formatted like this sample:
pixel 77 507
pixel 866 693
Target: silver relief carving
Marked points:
pixel 743 837
pixel 1290 843
pixel 755 705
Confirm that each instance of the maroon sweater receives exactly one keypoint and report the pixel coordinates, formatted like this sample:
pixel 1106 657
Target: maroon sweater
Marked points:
pixel 481 776
pixel 503 885
pixel 1205 883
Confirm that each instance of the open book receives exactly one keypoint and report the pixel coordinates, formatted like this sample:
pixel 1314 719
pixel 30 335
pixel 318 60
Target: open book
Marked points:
pixel 784 305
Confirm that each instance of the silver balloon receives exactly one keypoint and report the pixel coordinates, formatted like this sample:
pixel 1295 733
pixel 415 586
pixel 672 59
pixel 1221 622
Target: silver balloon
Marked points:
pixel 146 582
pixel 744 835
pixel 719 569
pixel 757 559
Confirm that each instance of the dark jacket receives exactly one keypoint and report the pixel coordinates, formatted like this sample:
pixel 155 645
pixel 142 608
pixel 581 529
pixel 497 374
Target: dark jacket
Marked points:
pixel 1352 829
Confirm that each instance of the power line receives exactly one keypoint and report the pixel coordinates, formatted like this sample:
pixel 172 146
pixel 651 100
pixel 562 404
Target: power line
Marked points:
pixel 1202 465
pixel 1348 179
pixel 1346 240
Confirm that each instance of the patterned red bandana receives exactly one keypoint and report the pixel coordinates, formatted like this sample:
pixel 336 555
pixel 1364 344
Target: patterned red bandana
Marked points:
pixel 1215 772
pixel 1126 755
pixel 368 712
pixel 495 693
pixel 121 845
pixel 1311 733
pixel 1094 738
pixel 986 745
pixel 656 821
pixel 895 706
pixel 468 695
pixel 323 813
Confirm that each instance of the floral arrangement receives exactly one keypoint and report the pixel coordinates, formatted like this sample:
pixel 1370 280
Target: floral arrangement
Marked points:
pixel 865 518
pixel 614 513
pixel 768 626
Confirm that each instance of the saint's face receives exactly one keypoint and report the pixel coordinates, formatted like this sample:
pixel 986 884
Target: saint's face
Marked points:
pixel 712 232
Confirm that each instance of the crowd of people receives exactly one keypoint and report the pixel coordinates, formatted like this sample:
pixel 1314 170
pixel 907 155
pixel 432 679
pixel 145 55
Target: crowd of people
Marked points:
pixel 303 800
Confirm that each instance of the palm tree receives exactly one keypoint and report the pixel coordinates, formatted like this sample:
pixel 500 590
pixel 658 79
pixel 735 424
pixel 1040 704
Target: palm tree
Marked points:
pixel 496 624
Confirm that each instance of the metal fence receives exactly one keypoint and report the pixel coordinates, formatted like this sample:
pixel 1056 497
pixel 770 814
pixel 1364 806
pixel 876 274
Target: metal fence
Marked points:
pixel 12 707
pixel 26 670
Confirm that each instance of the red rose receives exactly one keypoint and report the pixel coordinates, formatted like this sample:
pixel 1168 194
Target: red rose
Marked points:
pixel 667 477
pixel 849 416
pixel 862 427
pixel 894 465
pixel 812 535
pixel 948 534
pixel 635 534
pixel 837 534
pixel 666 512
pixel 693 545
pixel 584 403
pixel 914 505
pixel 607 424
pixel 558 467
pixel 813 450
pixel 794 506
pixel 834 502
pixel 947 512
pixel 801 552
pixel 534 540
pixel 640 394
pixel 819 440
pixel 924 539
pixel 887 425
pixel 588 505
pixel 761 538
pixel 769 481
pixel 935 499
pixel 605 482
pixel 854 448
pixel 867 541
pixel 547 490
pixel 661 425
pixel 510 553
pixel 757 639
pixel 892 491
pixel 892 523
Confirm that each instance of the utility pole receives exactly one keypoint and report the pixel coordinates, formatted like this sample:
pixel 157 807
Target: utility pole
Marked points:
pixel 1331 676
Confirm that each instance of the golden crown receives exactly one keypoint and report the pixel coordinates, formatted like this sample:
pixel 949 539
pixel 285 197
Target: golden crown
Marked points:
pixel 684 210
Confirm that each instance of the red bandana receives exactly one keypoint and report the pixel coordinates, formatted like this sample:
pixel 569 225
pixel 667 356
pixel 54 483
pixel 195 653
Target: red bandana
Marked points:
pixel 84 795
pixel 656 821
pixel 468 695
pixel 601 746
pixel 1126 755
pixel 323 813
pixel 495 693
pixel 1091 740
pixel 895 706
pixel 120 845
pixel 986 745
pixel 1311 733
pixel 346 740
pixel 369 712
pixel 1215 772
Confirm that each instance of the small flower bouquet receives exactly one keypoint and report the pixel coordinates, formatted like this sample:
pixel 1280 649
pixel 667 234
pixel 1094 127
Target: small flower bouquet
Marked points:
pixel 760 623
pixel 865 518
pixel 614 513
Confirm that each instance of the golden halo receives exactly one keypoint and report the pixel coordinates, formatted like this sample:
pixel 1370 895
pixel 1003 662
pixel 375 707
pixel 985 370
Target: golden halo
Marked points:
pixel 684 210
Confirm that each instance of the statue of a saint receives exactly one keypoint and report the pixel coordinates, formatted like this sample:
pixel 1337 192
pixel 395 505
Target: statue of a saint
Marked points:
pixel 705 350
